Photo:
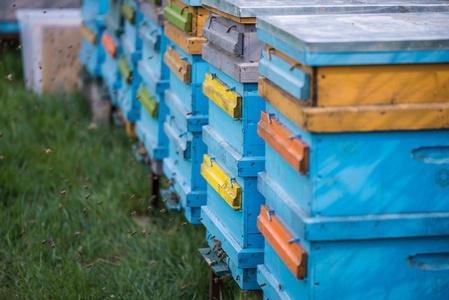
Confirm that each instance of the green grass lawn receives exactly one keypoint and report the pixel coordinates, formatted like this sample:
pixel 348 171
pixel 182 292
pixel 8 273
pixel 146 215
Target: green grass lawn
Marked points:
pixel 49 247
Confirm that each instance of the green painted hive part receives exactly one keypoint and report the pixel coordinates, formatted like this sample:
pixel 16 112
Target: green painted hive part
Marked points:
pixel 155 2
pixel 150 104
pixel 129 13
pixel 180 17
pixel 124 69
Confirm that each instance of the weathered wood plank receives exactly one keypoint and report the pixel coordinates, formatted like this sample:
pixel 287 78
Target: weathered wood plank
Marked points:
pixel 181 67
pixel 189 43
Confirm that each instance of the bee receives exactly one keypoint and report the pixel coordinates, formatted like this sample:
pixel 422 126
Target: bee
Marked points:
pixel 216 279
pixel 47 151
pixel 44 11
pixel 134 213
pixel 184 287
pixel 66 181
pixel 84 210
pixel 114 91
pixel 131 78
pixel 150 57
pixel 150 208
pixel 263 284
pixel 54 246
pixel 40 67
pixel 175 162
pixel 208 252
pixel 237 277
pixel 189 113
pixel 144 232
pixel 280 286
pixel 184 224
pixel 212 237
pixel 213 263
pixel 100 203
pixel 87 197
pixel 61 206
pixel 87 179
pixel 165 200
pixel 77 258
pixel 88 266
pixel 63 192
pixel 132 197
pixel 236 209
pixel 44 242
pixel 1 135
pixel 22 233
pixel 13 5
pixel 171 220
pixel 128 231
pixel 86 187
pixel 77 233
pixel 200 219
pixel 163 210
pixel 9 77
pixel 134 233
pixel 153 262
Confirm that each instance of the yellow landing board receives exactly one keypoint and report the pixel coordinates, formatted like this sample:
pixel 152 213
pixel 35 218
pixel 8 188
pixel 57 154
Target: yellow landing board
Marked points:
pixel 221 182
pixel 361 118
pixel 228 100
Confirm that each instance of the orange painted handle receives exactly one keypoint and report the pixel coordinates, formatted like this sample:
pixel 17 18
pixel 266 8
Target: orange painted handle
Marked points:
pixel 109 45
pixel 292 253
pixel 292 149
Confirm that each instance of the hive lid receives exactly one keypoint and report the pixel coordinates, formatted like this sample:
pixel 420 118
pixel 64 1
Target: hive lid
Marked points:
pixel 253 8
pixel 359 39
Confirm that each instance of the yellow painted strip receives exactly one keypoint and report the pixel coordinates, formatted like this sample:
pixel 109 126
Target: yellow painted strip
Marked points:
pixel 88 34
pixel 130 127
pixel 351 118
pixel 220 181
pixel 229 101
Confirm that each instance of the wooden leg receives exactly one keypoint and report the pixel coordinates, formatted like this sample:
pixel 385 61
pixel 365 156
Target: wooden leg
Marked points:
pixel 215 286
pixel 154 190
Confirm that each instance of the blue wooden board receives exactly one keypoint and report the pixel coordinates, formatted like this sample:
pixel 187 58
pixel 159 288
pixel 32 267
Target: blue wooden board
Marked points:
pixel 186 121
pixel 358 39
pixel 92 56
pixel 9 27
pixel 400 268
pixel 240 134
pixel 367 173
pixel 111 75
pixel 151 130
pixel 191 93
pixel 93 11
pixel 127 94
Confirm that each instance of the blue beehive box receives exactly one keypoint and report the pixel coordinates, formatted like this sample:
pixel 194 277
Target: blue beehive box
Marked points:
pixel 154 74
pixel 187 107
pixel 234 52
pixel 109 68
pixel 92 54
pixel 113 19
pixel 344 198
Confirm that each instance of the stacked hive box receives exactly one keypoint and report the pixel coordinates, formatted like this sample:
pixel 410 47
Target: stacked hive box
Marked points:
pixel 235 151
pixel 187 106
pixel 357 156
pixel 154 74
pixel 92 54
pixel 110 40
pixel 127 64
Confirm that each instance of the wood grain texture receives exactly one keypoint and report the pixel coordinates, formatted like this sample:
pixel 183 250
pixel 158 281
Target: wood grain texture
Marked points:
pixel 220 181
pixel 109 45
pixel 189 43
pixel 129 127
pixel 230 101
pixel 197 16
pixel 181 68
pixel 231 17
pixel 88 34
pixel 277 235
pixel 362 118
pixel 292 149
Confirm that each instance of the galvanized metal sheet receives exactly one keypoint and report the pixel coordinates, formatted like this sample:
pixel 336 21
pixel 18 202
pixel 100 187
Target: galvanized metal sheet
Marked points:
pixel 8 8
pixel 253 8
pixel 358 33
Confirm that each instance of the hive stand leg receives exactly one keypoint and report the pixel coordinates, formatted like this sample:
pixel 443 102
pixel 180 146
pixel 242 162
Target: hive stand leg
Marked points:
pixel 215 286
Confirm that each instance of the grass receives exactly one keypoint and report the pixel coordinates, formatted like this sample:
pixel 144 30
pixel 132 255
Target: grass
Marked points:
pixel 160 261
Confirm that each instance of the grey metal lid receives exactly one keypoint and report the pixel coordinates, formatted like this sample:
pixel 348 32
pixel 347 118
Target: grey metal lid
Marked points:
pixel 385 38
pixel 253 8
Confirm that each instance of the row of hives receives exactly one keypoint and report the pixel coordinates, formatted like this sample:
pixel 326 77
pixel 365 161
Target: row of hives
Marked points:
pixel 308 138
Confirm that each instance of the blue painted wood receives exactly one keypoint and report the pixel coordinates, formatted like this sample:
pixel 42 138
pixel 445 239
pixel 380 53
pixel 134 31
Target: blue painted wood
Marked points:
pixel 131 43
pixel 151 130
pixel 337 228
pixel 9 27
pixel 111 75
pixel 294 81
pixel 240 134
pixel 113 18
pixel 183 118
pixel 191 93
pixel 127 94
pixel 269 284
pixel 402 269
pixel 93 11
pixel 366 173
pixel 242 166
pixel 191 2
pixel 242 224
pixel 92 57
